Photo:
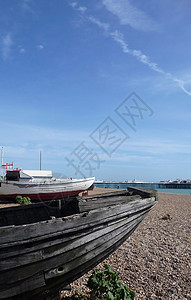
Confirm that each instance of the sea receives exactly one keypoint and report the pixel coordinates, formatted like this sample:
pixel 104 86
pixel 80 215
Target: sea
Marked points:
pixel 123 186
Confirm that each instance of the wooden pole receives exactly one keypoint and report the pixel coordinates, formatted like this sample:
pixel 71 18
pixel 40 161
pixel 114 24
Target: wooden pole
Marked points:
pixel 40 159
pixel 1 162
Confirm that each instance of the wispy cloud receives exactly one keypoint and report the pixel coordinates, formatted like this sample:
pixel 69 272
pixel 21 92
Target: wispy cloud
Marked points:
pixel 102 25
pixel 75 5
pixel 15 133
pixel 40 47
pixel 154 146
pixel 22 143
pixel 182 85
pixel 26 5
pixel 130 15
pixel 21 49
pixel 82 9
pixel 6 44
pixel 119 38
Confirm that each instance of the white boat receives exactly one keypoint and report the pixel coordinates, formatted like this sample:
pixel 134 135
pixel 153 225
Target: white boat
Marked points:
pixel 40 185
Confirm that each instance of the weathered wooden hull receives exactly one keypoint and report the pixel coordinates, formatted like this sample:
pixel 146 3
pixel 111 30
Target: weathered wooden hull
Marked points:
pixel 56 251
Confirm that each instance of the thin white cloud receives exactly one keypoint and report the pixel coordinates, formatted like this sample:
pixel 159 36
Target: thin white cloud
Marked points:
pixel 6 44
pixel 182 84
pixel 26 5
pixel 158 146
pixel 117 36
pixel 22 50
pixel 102 25
pixel 151 147
pixel 130 15
pixel 37 134
pixel 82 9
pixel 73 4
pixel 40 47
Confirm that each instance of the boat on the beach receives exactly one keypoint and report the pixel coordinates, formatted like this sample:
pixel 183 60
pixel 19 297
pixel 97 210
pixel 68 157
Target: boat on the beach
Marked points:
pixel 40 185
pixel 46 246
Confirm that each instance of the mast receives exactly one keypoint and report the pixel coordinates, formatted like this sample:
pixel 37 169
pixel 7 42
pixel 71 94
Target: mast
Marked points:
pixel 2 162
pixel 40 159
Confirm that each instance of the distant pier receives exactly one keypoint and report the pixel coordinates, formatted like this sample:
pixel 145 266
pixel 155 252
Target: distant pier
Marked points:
pixel 154 185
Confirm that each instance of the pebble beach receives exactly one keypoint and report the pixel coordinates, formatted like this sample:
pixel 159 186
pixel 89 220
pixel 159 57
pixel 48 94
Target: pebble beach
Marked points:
pixel 155 261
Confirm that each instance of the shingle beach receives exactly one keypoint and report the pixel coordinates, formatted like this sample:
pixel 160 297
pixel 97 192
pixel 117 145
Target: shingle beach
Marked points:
pixel 155 261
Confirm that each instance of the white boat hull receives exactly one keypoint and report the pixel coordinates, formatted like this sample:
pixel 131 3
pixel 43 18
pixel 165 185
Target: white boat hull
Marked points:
pixel 44 190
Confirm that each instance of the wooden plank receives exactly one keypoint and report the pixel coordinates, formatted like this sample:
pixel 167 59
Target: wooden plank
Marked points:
pixel 42 230
pixel 21 234
pixel 75 273
pixel 143 192
pixel 92 250
pixel 12 249
pixel 28 214
pixel 23 272
pixel 9 290
pixel 108 194
pixel 56 283
pixel 95 203
pixel 20 271
pixel 46 251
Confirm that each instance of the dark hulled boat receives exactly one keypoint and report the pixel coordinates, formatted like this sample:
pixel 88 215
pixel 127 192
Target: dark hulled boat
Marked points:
pixel 47 245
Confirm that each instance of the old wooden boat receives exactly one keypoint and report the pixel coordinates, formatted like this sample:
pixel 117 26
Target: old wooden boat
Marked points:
pixel 40 187
pixel 47 245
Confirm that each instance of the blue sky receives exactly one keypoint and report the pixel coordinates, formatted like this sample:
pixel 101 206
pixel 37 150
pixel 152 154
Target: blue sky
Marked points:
pixel 100 87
